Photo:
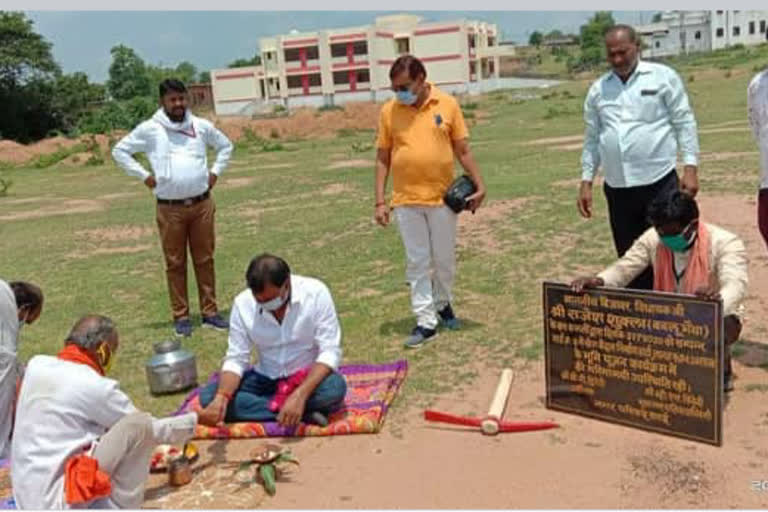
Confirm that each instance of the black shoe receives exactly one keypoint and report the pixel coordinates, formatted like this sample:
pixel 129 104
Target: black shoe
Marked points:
pixel 183 327
pixel 419 336
pixel 215 322
pixel 447 318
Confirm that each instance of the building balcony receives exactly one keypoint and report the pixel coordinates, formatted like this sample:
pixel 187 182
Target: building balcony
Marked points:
pixel 338 63
pixel 360 86
pixel 299 91
pixel 294 67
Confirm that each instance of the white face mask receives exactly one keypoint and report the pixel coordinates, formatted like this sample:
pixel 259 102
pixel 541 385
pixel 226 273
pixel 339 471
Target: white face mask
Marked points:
pixel 273 304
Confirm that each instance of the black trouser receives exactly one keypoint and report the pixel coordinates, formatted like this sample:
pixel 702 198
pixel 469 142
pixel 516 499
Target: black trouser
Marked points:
pixel 628 213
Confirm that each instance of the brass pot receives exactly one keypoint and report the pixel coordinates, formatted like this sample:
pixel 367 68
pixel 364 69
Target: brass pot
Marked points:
pixel 179 471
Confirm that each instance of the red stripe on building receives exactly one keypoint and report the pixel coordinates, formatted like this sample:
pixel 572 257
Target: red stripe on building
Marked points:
pixel 338 65
pixel 385 34
pixel 350 53
pixel 440 57
pixel 431 31
pixel 302 70
pixel 300 42
pixel 344 37
pixel 234 75
pixel 305 84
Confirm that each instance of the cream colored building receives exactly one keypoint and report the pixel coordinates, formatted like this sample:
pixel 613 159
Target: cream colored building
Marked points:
pixel 683 32
pixel 336 66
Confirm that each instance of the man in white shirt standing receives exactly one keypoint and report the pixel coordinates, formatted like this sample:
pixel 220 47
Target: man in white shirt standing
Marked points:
pixel 757 106
pixel 79 441
pixel 637 117
pixel 291 322
pixel 175 143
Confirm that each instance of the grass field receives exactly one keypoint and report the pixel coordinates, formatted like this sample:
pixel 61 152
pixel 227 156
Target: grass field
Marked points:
pixel 88 235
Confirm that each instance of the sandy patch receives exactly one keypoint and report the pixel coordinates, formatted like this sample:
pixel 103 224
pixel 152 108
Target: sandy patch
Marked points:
pixel 237 182
pixel 726 155
pixel 25 200
pixel 115 233
pixel 546 141
pixel 70 207
pixel 348 164
pixel 478 231
pixel 119 195
pixel 129 249
pixel 336 188
pixel 724 130
pixel 569 147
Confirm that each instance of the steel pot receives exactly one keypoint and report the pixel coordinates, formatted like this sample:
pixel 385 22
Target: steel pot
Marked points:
pixel 171 369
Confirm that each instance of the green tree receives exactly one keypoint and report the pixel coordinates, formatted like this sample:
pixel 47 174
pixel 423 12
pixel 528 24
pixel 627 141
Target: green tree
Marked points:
pixel 554 34
pixel 128 77
pixel 24 54
pixel 186 72
pixel 27 70
pixel 72 95
pixel 535 39
pixel 242 63
pixel 205 77
pixel 593 39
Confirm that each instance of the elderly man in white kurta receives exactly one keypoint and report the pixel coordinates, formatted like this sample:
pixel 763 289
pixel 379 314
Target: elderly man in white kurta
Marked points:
pixel 79 441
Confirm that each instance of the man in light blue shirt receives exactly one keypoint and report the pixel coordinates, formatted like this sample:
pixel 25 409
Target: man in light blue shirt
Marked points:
pixel 637 118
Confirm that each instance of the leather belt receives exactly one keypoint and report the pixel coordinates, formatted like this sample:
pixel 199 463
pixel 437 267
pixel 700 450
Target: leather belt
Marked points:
pixel 186 202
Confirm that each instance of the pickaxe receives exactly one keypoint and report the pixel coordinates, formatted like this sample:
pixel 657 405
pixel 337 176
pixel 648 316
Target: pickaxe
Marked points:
pixel 492 423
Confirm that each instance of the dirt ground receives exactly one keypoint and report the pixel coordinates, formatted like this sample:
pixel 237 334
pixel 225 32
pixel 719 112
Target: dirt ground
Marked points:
pixel 583 464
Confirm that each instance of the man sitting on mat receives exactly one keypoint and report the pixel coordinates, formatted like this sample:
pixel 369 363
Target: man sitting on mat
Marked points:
pixel 291 322
pixel 688 256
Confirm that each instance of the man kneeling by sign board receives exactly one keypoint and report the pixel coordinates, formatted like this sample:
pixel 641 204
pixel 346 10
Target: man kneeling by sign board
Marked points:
pixel 688 256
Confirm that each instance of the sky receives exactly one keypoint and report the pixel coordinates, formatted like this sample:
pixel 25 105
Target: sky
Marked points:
pixel 211 39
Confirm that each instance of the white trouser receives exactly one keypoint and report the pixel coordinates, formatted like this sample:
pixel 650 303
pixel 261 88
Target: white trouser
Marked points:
pixel 124 453
pixel 429 237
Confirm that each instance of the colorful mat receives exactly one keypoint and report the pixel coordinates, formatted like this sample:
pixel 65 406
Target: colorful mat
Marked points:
pixel 371 388
pixel 6 492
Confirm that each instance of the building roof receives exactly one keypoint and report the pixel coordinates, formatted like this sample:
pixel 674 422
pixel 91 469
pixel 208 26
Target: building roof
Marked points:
pixel 652 27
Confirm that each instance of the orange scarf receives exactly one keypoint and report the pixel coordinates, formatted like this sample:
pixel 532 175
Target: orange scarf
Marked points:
pixel 696 273
pixel 83 480
pixel 75 354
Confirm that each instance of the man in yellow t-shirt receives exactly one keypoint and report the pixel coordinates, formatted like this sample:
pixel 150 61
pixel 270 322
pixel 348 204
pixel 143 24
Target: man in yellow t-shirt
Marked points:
pixel 420 134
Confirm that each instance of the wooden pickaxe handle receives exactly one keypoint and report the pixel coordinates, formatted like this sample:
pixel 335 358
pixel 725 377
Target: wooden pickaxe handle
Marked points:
pixel 490 424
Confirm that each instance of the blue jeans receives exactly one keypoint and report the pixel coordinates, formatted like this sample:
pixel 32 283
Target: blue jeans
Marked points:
pixel 251 400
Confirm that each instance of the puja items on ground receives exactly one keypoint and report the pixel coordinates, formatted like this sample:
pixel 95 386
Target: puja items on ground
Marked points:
pixel 267 464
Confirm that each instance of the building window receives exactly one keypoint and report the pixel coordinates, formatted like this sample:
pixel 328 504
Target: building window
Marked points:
pixel 340 77
pixel 720 32
pixel 313 53
pixel 402 45
pixel 719 12
pixel 291 55
pixel 697 35
pixel 736 31
pixel 657 44
pixel 363 75
pixel 762 27
pixel 294 82
pixel 360 48
pixel 339 50
pixel 491 41
pixel 751 27
pixel 314 80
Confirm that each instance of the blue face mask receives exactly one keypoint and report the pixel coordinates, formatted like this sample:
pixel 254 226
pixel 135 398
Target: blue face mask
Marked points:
pixel 406 97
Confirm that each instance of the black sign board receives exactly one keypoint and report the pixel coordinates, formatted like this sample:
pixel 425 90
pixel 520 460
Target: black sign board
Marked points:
pixel 648 360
